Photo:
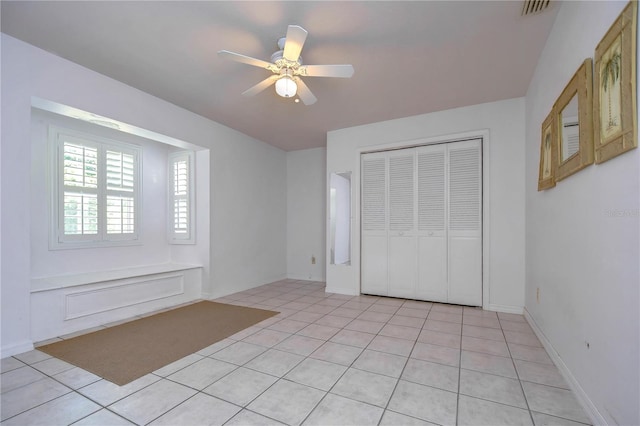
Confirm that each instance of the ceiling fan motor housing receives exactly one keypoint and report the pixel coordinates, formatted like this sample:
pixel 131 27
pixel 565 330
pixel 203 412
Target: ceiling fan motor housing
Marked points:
pixel 281 63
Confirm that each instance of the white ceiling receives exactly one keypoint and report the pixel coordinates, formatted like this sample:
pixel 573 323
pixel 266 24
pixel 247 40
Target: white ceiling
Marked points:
pixel 409 57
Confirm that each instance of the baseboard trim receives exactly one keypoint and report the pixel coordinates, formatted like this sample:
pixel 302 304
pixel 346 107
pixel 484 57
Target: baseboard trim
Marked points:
pixel 216 292
pixel 17 348
pixel 307 278
pixel 582 397
pixel 338 290
pixel 507 309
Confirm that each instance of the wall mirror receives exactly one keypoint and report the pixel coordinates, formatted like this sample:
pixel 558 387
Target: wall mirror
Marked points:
pixel 570 129
pixel 340 218
pixel 574 123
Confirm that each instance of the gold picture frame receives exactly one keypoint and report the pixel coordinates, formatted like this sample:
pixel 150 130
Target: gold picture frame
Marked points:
pixel 574 112
pixel 614 103
pixel 546 174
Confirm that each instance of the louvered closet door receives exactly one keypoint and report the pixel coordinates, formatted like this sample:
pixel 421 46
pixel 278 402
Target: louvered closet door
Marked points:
pixel 402 235
pixel 374 206
pixel 422 223
pixel 465 223
pixel 432 214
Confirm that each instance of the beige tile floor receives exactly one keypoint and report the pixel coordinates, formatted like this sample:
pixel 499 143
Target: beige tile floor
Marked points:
pixel 326 359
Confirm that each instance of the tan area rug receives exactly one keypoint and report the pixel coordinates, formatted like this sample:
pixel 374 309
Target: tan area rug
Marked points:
pixel 128 351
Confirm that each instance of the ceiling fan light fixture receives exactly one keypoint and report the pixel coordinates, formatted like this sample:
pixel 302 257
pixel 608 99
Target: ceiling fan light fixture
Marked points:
pixel 286 66
pixel 286 87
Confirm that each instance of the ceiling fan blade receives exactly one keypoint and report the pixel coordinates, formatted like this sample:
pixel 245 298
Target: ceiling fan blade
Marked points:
pixel 304 93
pixel 295 38
pixel 260 86
pixel 244 59
pixel 343 71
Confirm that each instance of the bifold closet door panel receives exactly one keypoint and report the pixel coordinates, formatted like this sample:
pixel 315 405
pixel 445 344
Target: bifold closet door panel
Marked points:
pixel 402 232
pixel 374 272
pixel 465 271
pixel 465 223
pixel 374 239
pixel 432 269
pixel 432 281
pixel 402 267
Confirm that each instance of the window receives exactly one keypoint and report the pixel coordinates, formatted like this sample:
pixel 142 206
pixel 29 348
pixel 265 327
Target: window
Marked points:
pixel 95 190
pixel 181 198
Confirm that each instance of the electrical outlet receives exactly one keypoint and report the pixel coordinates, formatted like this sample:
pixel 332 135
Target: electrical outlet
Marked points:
pixel 313 260
pixel 538 294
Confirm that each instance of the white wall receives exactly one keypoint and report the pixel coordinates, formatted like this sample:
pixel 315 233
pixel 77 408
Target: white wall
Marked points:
pixel 504 121
pixel 247 205
pixel 583 259
pixel 248 213
pixel 306 192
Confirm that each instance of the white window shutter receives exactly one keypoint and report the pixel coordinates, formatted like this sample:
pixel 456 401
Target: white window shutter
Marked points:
pixel 79 188
pixel 80 165
pixel 120 185
pixel 181 198
pixel 93 202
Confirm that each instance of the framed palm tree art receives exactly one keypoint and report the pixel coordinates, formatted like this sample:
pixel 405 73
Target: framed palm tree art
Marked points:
pixel 614 94
pixel 546 175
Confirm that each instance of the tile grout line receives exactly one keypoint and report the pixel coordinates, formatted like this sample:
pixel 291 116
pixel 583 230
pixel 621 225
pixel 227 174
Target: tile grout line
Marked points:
pixel 524 395
pixel 283 378
pixel 526 381
pixel 395 313
pixel 343 373
pixel 362 308
pixel 404 366
pixel 72 390
pixel 361 348
pixel 459 372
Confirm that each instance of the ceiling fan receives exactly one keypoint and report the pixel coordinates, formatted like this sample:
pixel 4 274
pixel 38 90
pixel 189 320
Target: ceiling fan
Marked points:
pixel 286 66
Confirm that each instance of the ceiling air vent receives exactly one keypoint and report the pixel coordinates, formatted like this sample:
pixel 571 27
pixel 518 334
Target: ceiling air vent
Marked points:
pixel 532 7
